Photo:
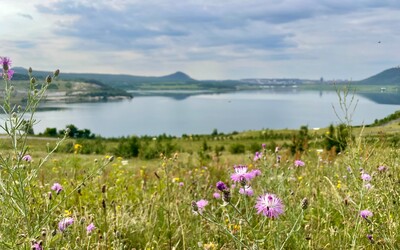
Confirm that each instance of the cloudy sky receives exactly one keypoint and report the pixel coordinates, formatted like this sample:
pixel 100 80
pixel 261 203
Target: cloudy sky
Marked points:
pixel 207 39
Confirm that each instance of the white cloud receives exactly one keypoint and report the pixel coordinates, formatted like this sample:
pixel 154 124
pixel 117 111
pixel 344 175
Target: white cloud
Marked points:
pixel 208 39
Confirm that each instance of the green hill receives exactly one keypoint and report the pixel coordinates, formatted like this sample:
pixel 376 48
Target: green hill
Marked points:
pixel 387 77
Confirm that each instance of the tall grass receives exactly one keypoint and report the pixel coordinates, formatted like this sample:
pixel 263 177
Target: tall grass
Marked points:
pixel 108 203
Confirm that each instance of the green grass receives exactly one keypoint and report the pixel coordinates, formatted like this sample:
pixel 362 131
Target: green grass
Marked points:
pixel 136 203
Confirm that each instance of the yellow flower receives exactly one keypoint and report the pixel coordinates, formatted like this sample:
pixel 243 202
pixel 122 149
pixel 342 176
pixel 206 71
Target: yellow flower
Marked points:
pixel 67 213
pixel 77 148
pixel 300 178
pixel 176 179
pixel 210 246
pixel 339 184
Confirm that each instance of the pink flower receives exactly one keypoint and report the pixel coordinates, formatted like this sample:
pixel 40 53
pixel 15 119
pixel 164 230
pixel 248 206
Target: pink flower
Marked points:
pixel 257 156
pixel 217 195
pixel 90 228
pixel 5 62
pixel 365 177
pixel 27 158
pixel 365 214
pixel 246 190
pixel 269 205
pixel 57 187
pixel 299 163
pixel 382 168
pixel 198 207
pixel 241 172
pixel 64 223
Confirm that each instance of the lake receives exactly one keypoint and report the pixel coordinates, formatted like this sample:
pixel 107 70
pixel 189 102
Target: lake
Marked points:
pixel 202 113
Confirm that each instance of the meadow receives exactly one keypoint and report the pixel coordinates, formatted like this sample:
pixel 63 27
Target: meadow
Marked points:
pixel 332 188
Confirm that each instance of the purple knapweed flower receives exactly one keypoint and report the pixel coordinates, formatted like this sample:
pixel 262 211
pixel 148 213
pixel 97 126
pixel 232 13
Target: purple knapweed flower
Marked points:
pixel 246 190
pixel 241 172
pixel 64 223
pixel 27 158
pixel 263 145
pixel 365 177
pixel 57 187
pixel 10 74
pixel 257 156
pixel 269 205
pixel 299 163
pixel 365 214
pixel 36 246
pixel 198 207
pixel 368 186
pixel 181 184
pixel 221 186
pixel 90 228
pixel 5 62
pixel 256 172
pixel 217 195
pixel 382 168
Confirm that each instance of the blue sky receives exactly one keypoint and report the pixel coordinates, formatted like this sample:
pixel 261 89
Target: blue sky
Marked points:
pixel 207 39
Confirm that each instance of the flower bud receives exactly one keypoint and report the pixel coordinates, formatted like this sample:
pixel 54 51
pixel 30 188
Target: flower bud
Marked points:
pixel 304 204
pixel 30 70
pixel 194 206
pixel 226 195
pixel 33 80
pixel 48 79
pixel 56 73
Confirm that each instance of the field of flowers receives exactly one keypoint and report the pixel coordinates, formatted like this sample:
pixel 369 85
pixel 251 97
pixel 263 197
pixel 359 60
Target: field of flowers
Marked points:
pixel 295 195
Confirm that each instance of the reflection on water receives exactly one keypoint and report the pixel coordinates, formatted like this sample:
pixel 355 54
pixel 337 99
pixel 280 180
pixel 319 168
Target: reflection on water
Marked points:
pixel 200 114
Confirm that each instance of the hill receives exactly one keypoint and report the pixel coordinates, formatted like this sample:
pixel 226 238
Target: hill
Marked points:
pixel 175 81
pixel 115 80
pixel 386 77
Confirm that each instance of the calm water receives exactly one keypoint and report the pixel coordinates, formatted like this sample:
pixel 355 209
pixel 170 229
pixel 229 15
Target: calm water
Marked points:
pixel 200 114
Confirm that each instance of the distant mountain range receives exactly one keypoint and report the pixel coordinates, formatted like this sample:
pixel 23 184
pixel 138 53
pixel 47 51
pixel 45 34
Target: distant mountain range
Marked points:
pixel 387 77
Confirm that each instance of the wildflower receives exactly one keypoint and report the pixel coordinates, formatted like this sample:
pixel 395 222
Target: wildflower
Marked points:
pixel 67 213
pixel 256 172
pixel 64 223
pixel 277 149
pixel 217 195
pixel 210 246
pixel 257 156
pixel 365 177
pixel 221 186
pixel 181 184
pixel 77 148
pixel 90 228
pixel 299 163
pixel 369 236
pixel 246 190
pixel 382 168
pixel 37 245
pixel 226 196
pixel 241 171
pixel 365 214
pixel 27 158
pixel 368 186
pixel 57 187
pixel 9 74
pixel 198 206
pixel 269 205
pixel 263 145
pixel 5 62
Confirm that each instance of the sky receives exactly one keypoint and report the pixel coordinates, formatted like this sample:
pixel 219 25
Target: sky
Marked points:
pixel 206 39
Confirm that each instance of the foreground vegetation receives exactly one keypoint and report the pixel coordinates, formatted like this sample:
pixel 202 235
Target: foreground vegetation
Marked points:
pixel 323 189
